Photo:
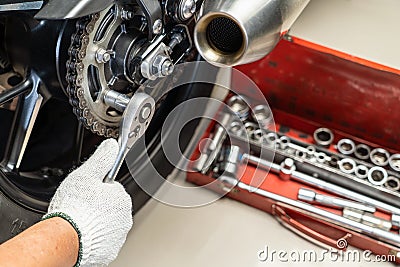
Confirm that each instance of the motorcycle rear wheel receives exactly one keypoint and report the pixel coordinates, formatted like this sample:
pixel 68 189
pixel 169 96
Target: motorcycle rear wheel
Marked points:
pixel 20 208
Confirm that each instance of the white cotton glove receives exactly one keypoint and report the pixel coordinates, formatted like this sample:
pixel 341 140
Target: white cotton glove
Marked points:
pixel 100 212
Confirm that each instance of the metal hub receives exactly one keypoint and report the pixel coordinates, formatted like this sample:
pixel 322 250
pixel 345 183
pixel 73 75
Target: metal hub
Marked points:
pixel 99 56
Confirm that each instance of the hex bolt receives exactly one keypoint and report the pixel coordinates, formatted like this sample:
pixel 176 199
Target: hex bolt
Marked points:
pixel 167 67
pixel 177 38
pixel 188 8
pixel 157 26
pixel 127 15
pixel 103 56
pixel 162 66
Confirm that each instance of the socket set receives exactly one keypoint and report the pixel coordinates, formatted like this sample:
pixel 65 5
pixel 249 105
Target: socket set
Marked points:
pixel 358 167
pixel 373 176
pixel 339 183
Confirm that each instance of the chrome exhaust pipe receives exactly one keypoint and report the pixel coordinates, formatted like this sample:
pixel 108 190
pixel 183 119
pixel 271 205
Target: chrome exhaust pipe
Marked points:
pixel 235 32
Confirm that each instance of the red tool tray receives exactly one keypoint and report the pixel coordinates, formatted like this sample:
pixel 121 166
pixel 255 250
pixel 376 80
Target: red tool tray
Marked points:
pixel 308 87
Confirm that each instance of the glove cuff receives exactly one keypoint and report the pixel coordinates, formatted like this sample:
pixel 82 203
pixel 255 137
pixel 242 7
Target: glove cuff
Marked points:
pixel 74 225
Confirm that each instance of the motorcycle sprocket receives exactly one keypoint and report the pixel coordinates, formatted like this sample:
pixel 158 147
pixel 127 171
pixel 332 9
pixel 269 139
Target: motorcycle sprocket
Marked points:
pixel 84 107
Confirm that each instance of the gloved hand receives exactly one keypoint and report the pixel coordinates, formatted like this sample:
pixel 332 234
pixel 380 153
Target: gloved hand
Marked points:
pixel 100 212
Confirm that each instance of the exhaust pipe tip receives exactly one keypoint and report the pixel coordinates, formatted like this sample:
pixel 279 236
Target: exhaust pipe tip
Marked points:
pixel 230 33
pixel 220 39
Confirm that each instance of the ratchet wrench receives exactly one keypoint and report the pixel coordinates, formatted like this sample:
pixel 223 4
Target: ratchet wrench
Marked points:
pixel 135 120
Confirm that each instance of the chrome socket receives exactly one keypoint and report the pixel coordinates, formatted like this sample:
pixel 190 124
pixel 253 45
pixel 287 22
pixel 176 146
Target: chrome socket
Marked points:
pixel 396 220
pixel 311 151
pixel 271 139
pixel 323 137
pixel 237 128
pixel 367 219
pixel 116 100
pixel 379 157
pixel 239 107
pixel 362 151
pixel 257 136
pixel 346 146
pixel 334 161
pixel 347 165
pixel 283 142
pixel 361 172
pixel 263 115
pixel 306 195
pixel 321 157
pixel 377 176
pixel 394 162
pixel 392 183
pixel 300 154
pixel 213 145
pixel 287 168
pixel 250 127
pixel 231 161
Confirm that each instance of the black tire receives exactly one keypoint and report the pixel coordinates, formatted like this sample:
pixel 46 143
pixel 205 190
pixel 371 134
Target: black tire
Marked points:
pixel 14 218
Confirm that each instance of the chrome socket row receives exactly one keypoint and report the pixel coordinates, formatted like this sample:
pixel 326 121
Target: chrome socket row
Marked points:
pixel 359 208
pixel 261 114
pixel 376 175
pixel 239 108
pixel 378 156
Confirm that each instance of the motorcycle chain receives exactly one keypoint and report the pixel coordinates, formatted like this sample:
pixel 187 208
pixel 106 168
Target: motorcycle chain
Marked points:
pixel 75 67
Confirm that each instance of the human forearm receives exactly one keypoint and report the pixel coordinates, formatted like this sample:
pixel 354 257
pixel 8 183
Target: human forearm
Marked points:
pixel 52 242
pixel 100 212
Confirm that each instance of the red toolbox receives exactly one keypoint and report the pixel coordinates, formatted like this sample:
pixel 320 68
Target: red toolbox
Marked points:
pixel 308 87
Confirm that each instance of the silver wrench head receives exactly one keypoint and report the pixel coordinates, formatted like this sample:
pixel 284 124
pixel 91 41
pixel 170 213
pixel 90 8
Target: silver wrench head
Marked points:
pixel 136 119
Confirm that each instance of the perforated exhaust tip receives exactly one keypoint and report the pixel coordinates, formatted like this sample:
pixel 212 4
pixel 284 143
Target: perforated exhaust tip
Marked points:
pixel 235 32
pixel 224 35
pixel 220 39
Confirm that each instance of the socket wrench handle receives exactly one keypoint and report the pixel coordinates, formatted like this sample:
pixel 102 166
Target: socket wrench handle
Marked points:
pixel 312 197
pixel 135 120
